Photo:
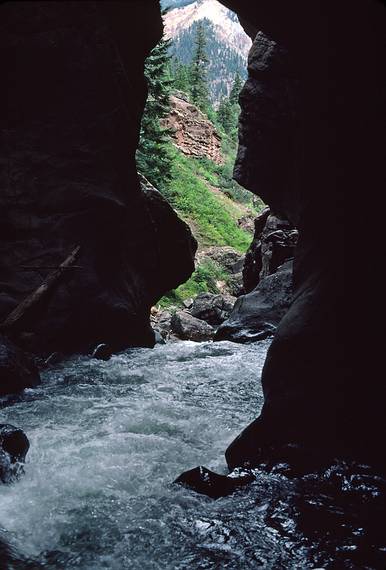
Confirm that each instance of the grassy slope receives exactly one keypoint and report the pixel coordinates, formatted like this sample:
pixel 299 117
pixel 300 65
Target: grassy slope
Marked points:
pixel 195 192
pixel 214 217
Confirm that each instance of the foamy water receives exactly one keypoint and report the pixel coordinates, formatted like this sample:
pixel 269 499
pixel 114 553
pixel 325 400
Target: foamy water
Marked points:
pixel 107 440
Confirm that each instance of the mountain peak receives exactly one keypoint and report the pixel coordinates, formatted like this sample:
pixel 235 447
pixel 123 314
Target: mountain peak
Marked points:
pixel 227 26
pixel 227 43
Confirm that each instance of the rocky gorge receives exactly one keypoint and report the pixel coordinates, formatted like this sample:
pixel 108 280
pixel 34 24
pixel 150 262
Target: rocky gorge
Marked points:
pixel 310 139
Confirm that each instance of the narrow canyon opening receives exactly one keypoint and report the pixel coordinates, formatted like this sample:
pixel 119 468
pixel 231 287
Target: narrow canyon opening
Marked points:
pixel 103 405
pixel 188 150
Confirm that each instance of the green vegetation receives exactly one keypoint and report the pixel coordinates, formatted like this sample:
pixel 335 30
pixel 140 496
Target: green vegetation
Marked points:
pixel 214 220
pixel 202 192
pixel 224 61
pixel 203 280
pixel 198 72
pixel 154 159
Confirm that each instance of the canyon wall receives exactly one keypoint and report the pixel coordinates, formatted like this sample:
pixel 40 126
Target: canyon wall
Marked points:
pixel 310 146
pixel 71 104
pixel 311 143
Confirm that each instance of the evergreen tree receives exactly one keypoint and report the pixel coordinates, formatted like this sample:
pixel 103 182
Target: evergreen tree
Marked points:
pixel 154 155
pixel 235 91
pixel 182 79
pixel 198 74
pixel 225 114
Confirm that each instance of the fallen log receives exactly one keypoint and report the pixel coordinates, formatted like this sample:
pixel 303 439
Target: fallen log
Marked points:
pixel 34 298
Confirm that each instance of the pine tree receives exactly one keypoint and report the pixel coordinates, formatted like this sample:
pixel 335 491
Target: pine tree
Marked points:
pixel 235 91
pixel 198 74
pixel 182 79
pixel 154 156
pixel 225 114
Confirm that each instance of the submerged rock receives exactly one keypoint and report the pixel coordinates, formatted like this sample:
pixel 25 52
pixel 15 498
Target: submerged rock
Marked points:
pixel 187 327
pixel 257 314
pixel 14 446
pixel 214 485
pixel 17 370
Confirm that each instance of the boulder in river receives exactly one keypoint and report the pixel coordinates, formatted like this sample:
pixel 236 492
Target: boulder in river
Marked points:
pixel 214 485
pixel 14 446
pixel 17 370
pixel 187 327
pixel 257 314
pixel 214 309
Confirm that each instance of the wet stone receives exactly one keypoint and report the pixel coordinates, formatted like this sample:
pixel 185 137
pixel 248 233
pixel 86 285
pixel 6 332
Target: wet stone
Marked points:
pixel 214 485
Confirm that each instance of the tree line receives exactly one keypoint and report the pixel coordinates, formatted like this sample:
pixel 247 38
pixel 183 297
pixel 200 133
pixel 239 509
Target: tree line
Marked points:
pixel 164 74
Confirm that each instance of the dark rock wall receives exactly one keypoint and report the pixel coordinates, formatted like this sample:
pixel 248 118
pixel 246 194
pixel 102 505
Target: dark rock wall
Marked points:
pixel 257 314
pixel 72 96
pixel 310 144
pixel 273 244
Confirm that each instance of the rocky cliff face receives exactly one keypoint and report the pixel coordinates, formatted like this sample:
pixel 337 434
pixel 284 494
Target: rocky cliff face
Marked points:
pixel 309 141
pixel 267 280
pixel 273 244
pixel 191 130
pixel 70 116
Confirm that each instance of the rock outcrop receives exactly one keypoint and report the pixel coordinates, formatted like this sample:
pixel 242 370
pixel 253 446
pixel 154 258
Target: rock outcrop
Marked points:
pixel 310 139
pixel 14 446
pixel 207 482
pixel 273 244
pixel 73 93
pixel 191 130
pixel 17 371
pixel 231 262
pixel 256 316
pixel 187 327
pixel 212 308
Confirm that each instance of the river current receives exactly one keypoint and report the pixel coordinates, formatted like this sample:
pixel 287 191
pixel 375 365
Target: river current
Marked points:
pixel 107 441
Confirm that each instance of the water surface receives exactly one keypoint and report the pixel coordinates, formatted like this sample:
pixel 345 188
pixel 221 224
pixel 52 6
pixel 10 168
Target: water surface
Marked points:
pixel 108 438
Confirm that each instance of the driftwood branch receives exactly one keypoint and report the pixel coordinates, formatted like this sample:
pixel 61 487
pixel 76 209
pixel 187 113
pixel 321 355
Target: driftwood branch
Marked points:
pixel 33 299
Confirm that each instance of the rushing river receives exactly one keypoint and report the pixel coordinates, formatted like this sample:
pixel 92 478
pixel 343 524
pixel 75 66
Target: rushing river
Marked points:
pixel 108 438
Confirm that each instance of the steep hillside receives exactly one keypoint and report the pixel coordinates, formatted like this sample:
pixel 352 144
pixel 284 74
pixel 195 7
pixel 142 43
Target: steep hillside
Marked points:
pixel 219 212
pixel 227 43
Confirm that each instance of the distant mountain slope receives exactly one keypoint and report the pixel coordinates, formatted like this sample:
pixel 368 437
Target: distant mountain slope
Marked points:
pixel 227 43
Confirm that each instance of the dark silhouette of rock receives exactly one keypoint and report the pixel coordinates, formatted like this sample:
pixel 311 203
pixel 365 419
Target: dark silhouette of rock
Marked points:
pixel 273 244
pixel 214 485
pixel 258 314
pixel 14 446
pixel 303 152
pixel 17 370
pixel 214 309
pixel 187 327
pixel 70 110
